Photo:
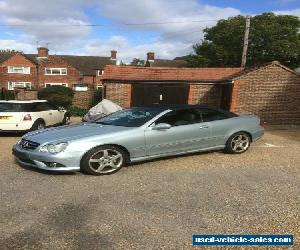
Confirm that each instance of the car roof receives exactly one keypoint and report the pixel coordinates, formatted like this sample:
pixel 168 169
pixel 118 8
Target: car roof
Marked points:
pixel 29 101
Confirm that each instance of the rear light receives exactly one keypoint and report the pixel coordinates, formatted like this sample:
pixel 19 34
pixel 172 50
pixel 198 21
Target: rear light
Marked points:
pixel 27 117
pixel 261 122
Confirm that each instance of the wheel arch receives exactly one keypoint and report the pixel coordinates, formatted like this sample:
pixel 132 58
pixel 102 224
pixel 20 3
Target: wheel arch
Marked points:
pixel 109 144
pixel 240 131
pixel 248 133
pixel 40 120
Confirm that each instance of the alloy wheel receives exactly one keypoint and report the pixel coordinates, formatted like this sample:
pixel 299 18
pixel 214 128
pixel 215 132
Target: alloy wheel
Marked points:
pixel 40 126
pixel 67 120
pixel 106 161
pixel 240 143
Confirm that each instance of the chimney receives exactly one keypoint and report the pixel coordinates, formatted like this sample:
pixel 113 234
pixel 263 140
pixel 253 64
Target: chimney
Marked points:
pixel 43 52
pixel 150 56
pixel 113 55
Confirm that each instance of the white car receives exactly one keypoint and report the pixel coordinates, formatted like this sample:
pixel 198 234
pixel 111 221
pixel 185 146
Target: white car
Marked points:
pixel 30 115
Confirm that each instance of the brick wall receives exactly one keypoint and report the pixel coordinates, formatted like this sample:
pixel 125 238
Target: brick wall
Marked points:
pixel 17 60
pixel 205 94
pixel 90 80
pixel 119 93
pixel 23 95
pixel 83 99
pixel 271 92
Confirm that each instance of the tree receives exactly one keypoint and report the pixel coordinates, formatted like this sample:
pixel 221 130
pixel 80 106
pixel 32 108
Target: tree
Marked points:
pixel 272 37
pixel 57 95
pixel 12 51
pixel 122 63
pixel 137 62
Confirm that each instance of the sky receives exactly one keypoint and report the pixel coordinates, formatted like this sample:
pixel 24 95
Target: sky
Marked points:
pixel 132 27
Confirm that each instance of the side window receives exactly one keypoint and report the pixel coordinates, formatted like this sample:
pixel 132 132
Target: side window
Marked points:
pixel 29 107
pixel 43 106
pixel 180 117
pixel 209 115
pixel 48 106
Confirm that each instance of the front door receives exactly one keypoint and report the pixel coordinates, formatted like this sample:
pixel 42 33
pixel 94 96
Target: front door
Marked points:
pixel 144 94
pixel 187 133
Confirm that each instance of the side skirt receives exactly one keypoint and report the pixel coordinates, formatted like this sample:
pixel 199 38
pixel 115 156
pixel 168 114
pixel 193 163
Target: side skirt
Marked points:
pixel 150 157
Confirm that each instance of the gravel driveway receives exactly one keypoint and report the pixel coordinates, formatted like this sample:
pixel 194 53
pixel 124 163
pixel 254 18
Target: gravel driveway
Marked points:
pixel 157 204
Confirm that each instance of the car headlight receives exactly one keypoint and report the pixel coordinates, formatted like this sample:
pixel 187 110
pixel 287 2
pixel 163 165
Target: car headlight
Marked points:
pixel 54 148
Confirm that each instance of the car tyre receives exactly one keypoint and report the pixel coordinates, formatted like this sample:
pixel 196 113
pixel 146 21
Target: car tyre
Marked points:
pixel 104 160
pixel 37 125
pixel 66 120
pixel 238 143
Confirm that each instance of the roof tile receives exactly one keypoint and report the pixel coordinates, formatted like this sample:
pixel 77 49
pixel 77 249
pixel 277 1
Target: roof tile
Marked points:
pixel 127 73
pixel 86 64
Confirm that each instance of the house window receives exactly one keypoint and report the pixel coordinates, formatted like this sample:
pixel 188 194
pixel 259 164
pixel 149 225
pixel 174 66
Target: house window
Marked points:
pixel 80 87
pixel 18 70
pixel 19 85
pixel 48 84
pixel 100 72
pixel 55 71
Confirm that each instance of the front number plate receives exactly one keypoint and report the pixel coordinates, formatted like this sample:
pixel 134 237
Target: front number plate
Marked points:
pixel 4 117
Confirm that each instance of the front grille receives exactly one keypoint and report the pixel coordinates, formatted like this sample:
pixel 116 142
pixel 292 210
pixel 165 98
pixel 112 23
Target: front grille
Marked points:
pixel 26 144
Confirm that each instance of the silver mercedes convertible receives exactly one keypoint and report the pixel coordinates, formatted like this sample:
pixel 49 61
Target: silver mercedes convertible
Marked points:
pixel 105 145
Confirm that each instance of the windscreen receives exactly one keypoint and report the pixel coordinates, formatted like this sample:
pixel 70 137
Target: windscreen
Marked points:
pixel 134 117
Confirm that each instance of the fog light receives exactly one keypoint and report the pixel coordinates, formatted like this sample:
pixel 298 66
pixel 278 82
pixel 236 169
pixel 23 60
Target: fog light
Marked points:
pixel 54 165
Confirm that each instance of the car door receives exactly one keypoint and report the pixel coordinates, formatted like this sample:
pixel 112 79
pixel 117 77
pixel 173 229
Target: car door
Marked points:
pixel 187 133
pixel 220 125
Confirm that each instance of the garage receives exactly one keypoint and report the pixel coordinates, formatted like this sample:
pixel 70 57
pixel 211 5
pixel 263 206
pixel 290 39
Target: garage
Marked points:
pixel 143 94
pixel 271 91
pixel 139 86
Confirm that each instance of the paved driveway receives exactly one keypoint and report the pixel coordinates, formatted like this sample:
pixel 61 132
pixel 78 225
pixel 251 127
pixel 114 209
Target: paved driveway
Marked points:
pixel 157 204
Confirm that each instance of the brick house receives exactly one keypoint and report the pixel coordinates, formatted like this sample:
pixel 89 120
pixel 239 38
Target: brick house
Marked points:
pixel 17 71
pixel 271 91
pixel 35 71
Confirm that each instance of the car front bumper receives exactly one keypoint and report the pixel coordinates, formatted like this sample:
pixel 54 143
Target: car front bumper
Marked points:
pixel 57 162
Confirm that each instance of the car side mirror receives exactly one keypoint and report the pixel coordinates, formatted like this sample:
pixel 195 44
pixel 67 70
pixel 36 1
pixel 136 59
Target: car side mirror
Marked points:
pixel 161 126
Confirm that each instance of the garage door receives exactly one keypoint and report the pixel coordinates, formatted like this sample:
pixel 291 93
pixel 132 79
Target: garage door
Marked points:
pixel 144 94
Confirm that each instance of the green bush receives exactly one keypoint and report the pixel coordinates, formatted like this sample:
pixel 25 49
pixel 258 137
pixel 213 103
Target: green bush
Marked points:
pixel 97 97
pixel 7 95
pixel 76 111
pixel 57 95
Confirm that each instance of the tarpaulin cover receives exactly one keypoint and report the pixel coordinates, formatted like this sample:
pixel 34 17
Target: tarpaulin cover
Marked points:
pixel 103 108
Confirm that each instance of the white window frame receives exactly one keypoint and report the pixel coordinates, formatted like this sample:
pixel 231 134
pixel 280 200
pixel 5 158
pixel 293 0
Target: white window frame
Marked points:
pixel 12 70
pixel 56 84
pixel 80 88
pixel 11 85
pixel 100 72
pixel 62 71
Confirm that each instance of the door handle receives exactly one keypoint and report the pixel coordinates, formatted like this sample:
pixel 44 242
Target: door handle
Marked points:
pixel 50 113
pixel 204 126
